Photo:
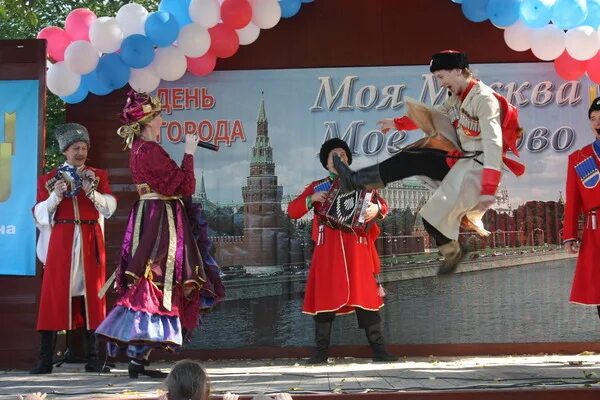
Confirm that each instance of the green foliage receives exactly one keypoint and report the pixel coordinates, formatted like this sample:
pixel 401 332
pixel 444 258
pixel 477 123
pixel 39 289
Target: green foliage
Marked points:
pixel 23 19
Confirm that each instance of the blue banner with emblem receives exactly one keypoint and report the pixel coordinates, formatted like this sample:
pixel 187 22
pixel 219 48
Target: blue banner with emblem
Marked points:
pixel 18 174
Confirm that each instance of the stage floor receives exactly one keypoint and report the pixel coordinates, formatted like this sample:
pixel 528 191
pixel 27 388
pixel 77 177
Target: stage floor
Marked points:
pixel 432 376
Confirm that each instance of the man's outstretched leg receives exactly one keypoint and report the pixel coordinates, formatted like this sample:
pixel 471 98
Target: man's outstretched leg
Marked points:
pixel 451 250
pixel 419 162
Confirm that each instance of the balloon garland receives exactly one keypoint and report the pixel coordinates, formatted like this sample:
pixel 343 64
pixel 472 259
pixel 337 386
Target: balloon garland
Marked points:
pixel 101 54
pixel 563 31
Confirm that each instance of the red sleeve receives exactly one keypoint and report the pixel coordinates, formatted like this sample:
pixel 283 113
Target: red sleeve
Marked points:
pixel 573 204
pixel 297 207
pixel 165 176
pixel 42 192
pixel 383 205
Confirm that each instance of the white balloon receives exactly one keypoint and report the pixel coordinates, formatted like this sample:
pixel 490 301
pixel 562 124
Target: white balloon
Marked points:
pixel 81 57
pixel 131 18
pixel 248 34
pixel 206 13
pixel 169 63
pixel 582 43
pixel 548 42
pixel 61 80
pixel 106 35
pixel 518 36
pixel 143 80
pixel 193 40
pixel 265 13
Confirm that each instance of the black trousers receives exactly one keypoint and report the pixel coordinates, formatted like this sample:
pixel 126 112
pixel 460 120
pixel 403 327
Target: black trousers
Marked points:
pixel 418 162
pixel 365 318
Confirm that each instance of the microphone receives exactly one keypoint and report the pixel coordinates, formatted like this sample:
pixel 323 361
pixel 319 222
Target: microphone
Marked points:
pixel 209 146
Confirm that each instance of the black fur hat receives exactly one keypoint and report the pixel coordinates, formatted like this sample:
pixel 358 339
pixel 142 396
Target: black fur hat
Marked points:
pixel 448 59
pixel 595 106
pixel 331 144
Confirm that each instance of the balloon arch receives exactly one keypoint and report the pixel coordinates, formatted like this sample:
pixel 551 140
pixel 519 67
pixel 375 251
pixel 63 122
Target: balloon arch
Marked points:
pixel 101 54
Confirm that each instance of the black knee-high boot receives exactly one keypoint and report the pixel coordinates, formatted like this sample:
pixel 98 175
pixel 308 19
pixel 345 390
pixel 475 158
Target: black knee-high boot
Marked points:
pixel 322 338
pixel 47 342
pixel 451 250
pixel 375 338
pixel 366 178
pixel 93 363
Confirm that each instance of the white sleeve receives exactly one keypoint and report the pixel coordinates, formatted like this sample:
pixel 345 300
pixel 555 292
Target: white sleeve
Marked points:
pixel 104 203
pixel 488 111
pixel 43 212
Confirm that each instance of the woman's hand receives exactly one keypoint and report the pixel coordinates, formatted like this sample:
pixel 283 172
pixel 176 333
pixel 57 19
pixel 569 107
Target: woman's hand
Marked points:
pixel 191 143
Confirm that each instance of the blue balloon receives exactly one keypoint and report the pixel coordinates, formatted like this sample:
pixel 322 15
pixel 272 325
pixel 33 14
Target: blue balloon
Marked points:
pixel 179 9
pixel 475 10
pixel 536 13
pixel 457 1
pixel 289 8
pixel 593 18
pixel 112 71
pixel 567 14
pixel 503 12
pixel 162 28
pixel 94 85
pixel 137 51
pixel 307 1
pixel 80 94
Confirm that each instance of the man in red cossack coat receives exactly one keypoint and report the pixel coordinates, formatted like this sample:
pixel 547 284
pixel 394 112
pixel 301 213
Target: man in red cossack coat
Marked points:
pixel 583 196
pixel 72 202
pixel 342 276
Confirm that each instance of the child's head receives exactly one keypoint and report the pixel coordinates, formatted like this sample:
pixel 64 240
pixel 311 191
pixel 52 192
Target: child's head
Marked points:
pixel 187 381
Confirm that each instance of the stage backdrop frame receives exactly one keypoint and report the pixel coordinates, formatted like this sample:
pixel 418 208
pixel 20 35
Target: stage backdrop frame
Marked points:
pixel 326 33
pixel 19 295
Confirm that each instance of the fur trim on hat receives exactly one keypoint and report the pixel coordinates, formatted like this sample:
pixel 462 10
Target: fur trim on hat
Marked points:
pixel 448 59
pixel 331 144
pixel 69 133
pixel 595 106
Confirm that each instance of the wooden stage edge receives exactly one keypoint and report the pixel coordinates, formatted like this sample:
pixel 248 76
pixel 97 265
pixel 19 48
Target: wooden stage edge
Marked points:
pixel 405 350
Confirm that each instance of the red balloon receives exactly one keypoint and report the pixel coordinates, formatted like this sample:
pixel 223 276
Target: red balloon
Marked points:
pixel 224 42
pixel 236 14
pixel 57 42
pixel 569 68
pixel 593 68
pixel 202 65
pixel 77 23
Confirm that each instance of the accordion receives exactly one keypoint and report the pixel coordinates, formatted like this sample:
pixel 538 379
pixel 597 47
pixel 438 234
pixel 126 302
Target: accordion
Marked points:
pixel 345 211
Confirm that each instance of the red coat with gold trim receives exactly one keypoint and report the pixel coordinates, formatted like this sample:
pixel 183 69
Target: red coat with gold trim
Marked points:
pixel 344 264
pixel 57 310
pixel 583 196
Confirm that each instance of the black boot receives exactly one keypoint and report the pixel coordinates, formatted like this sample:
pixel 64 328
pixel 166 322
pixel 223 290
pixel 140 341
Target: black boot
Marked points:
pixel 375 338
pixel 93 363
pixel 322 337
pixel 47 341
pixel 366 178
pixel 137 368
pixel 453 254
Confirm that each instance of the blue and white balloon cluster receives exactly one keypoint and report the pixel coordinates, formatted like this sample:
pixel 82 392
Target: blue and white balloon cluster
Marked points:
pixel 101 54
pixel 565 31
